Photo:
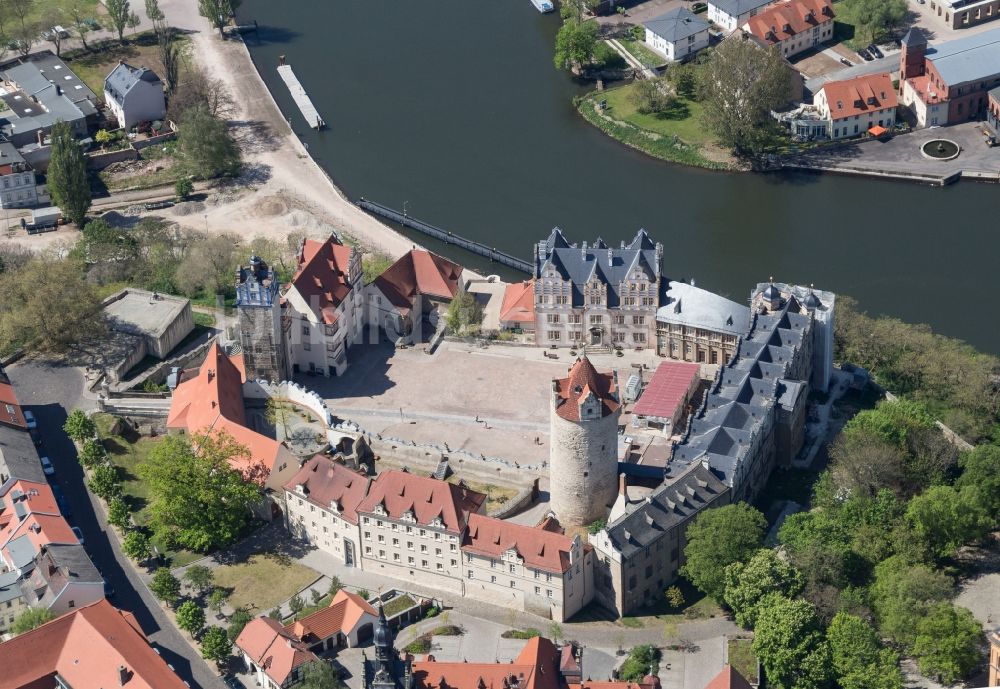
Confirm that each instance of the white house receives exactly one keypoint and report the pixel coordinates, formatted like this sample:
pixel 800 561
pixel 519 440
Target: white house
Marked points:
pixel 854 106
pixel 134 95
pixel 678 34
pixel 732 14
pixel 793 26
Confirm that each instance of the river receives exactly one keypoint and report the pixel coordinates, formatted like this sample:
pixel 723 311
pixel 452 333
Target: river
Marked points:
pixel 454 107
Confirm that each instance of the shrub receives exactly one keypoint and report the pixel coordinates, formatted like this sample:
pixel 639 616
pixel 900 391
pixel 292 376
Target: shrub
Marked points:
pixel 183 188
pixel 529 633
pixel 118 512
pixel 165 586
pixel 638 663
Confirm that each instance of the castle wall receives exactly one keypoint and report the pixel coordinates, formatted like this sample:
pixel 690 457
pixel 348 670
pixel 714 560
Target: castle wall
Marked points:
pixel 583 471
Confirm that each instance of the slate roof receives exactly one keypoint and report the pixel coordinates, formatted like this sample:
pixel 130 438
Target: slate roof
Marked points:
pixel 972 58
pixel 123 79
pixel 735 8
pixel 692 306
pixel 914 37
pixel 611 266
pixel 676 25
pixel 38 76
pixel 18 457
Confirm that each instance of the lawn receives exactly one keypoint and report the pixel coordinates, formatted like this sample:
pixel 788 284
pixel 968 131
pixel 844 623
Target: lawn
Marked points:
pixel 95 64
pixel 742 658
pixel 398 605
pixel 698 606
pixel 682 120
pixel 643 54
pixel 49 12
pixel 263 581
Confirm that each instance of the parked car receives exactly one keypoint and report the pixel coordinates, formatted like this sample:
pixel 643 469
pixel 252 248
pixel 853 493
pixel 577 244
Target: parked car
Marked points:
pixel 47 467
pixel 29 419
pixel 63 503
pixel 873 49
pixel 78 534
pixel 847 62
pixel 865 55
pixel 699 7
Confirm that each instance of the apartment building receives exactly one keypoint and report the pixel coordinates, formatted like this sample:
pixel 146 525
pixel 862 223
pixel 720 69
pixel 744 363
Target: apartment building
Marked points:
pixel 852 107
pixel 793 26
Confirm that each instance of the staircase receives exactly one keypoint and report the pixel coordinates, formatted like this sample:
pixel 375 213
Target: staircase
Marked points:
pixel 442 471
pixel 596 349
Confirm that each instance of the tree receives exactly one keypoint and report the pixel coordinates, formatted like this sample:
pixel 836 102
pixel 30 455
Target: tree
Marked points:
pixel 862 463
pixel 555 631
pixel 873 19
pixel 276 414
pixel 217 599
pixel 675 597
pixel 196 89
pixel 24 36
pixel 215 645
pixel 717 538
pixel 206 146
pixel 103 137
pixel 196 499
pixel 575 9
pixel 102 243
pixel 81 24
pixel 241 618
pixel 79 426
pixel 118 512
pixel 789 642
pixel 652 96
pixel 947 643
pixel 364 594
pixel 133 22
pixel 92 453
pixel 165 586
pixel 319 674
pixel 859 659
pixel 638 664
pixel 335 585
pixel 119 13
pixel 903 593
pixel 54 17
pixel 67 174
pixel 30 619
pixel 136 545
pixel 575 44
pixel 190 617
pixel 946 518
pixel 218 12
pixel 208 265
pixel 275 614
pixel 199 577
pixel 169 56
pixel 740 84
pixel 464 315
pixel 154 12
pixel 746 584
pixel 981 473
pixel 684 78
pixel 296 604
pixel 105 482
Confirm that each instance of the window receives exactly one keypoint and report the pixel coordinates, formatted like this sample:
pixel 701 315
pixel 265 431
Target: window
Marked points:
pixel 395 542
pixel 512 584
pixel 409 560
pixel 423 563
pixel 638 320
pixel 596 320
pixel 537 573
pixel 395 556
pixel 305 330
pixel 619 320
pixel 409 545
pixel 468 557
pixel 381 553
pixel 552 318
pixel 513 569
pixel 368 550
pixel 493 579
pixel 548 593
pixel 368 534
pixel 493 564
pixel 639 338
pixel 364 520
pixel 472 575
pixel 538 590
pixel 554 334
pixel 381 538
pixel 440 567
pixel 423 548
pixel 437 551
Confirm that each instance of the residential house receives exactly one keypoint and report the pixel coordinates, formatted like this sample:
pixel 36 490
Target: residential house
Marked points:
pixel 134 95
pixel 63 579
pixel 410 289
pixel 596 295
pixel 793 26
pixel 39 91
pixel 960 14
pixel 95 645
pixel 853 107
pixel 517 313
pixel 274 653
pixel 210 399
pixel 678 34
pixel 323 307
pixel 696 325
pixel 732 14
pixel 19 186
pixel 948 83
pixel 321 503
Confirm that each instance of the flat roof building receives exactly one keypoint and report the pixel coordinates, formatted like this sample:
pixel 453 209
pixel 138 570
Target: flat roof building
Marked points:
pixel 162 320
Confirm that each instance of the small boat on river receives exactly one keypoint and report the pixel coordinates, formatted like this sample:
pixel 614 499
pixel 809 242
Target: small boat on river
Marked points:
pixel 543 6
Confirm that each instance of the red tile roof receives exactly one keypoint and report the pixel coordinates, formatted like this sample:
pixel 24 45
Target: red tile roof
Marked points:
pixel 728 678
pixel 86 648
pixel 41 521
pixel 10 408
pixel 783 20
pixel 667 389
pixel 343 615
pixel 536 667
pixel 582 381
pixel 400 492
pixel 859 95
pixel 326 481
pixel 273 649
pixel 541 548
pixel 212 400
pixel 322 276
pixel 418 272
pixel 518 303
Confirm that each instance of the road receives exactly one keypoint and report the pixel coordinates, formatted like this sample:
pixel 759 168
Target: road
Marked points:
pixel 50 391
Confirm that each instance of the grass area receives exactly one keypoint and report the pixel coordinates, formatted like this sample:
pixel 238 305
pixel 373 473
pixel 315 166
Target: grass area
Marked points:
pixel 373 264
pixel 665 140
pixel 529 633
pixel 632 622
pixel 697 606
pixel 46 13
pixel 398 605
pixel 95 64
pixel 203 319
pixel 419 646
pixel 168 174
pixel 495 495
pixel 323 603
pixel 645 55
pixel 264 580
pixel 742 658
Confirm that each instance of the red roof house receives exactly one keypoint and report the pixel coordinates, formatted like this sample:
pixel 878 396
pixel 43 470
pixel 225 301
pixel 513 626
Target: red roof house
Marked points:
pixel 545 548
pixel 671 386
pixel 324 481
pixel 430 502
pixel 418 273
pixel 518 308
pixel 325 276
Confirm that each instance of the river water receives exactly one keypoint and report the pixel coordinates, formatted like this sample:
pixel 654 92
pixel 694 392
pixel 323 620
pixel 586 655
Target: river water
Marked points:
pixel 454 107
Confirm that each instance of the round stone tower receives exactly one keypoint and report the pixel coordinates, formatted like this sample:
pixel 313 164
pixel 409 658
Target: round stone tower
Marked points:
pixel 583 459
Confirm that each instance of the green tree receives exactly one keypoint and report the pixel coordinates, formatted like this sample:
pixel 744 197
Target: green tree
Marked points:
pixel 464 315
pixel 92 453
pixel 119 13
pixel 555 631
pixel 335 585
pixel 183 188
pixel 30 619
pixel 892 421
pixel 947 643
pixel 241 618
pixel 136 545
pixel 154 12
pixel 80 18
pixel 981 474
pixel 275 614
pixel 746 584
pixel 788 640
pixel 103 137
pixel 946 518
pixel 119 513
pixel 199 577
pixel 652 96
pixel 717 538
pixel 105 482
pixel 675 597
pixel 638 663
pixel 217 599
pixel 684 78
pixel 296 604
pixel 903 593
pixel 196 499
pixel 215 645
pixel 218 12
pixel 740 84
pixel 875 19
pixel 190 617
pixel 207 148
pixel 859 659
pixel 67 174
pixel 319 674
pixel 276 414
pixel 79 426
pixel 102 243
pixel 364 594
pixel 576 9
pixel 208 265
pixel 165 586
pixel 575 44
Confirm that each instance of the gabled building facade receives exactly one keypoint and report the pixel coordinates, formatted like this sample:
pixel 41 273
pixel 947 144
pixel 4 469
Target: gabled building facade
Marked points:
pixel 852 107
pixel 411 288
pixel 732 14
pixel 134 95
pixel 793 26
pixel 677 34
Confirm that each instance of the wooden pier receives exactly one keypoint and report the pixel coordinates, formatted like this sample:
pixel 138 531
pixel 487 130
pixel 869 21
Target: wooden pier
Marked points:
pixel 447 237
pixel 299 95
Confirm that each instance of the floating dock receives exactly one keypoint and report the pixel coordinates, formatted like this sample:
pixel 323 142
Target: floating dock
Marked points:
pixel 447 237
pixel 300 96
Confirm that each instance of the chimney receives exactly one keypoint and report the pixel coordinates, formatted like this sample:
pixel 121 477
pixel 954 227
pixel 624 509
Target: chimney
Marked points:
pixel 58 90
pixel 611 257
pixel 41 137
pixel 123 675
pixel 623 486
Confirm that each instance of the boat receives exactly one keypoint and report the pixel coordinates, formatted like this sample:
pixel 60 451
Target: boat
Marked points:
pixel 543 6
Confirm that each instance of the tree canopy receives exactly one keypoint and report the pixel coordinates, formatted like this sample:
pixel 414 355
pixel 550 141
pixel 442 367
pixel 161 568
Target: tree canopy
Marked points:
pixel 788 640
pixel 218 12
pixel 206 146
pixel 576 44
pixel 30 619
pixel 945 518
pixel 859 659
pixel 947 643
pixel 718 538
pixel 874 19
pixel 903 593
pixel 79 426
pixel 748 583
pixel 165 586
pixel 67 174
